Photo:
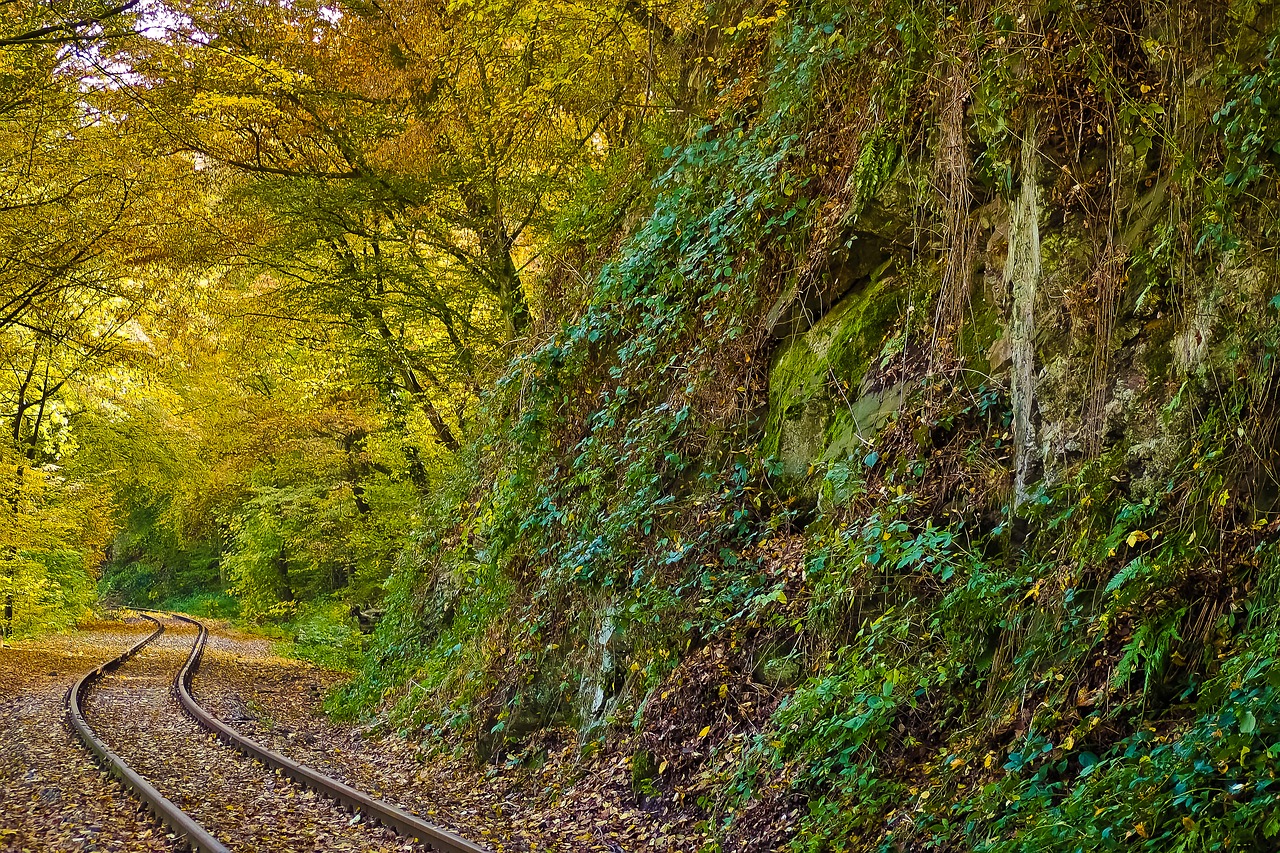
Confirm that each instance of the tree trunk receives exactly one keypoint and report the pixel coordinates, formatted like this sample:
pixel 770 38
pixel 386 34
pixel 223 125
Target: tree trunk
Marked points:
pixel 504 277
pixel 282 570
pixel 11 552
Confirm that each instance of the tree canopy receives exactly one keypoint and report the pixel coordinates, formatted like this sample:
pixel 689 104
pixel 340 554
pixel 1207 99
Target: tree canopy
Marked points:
pixel 258 261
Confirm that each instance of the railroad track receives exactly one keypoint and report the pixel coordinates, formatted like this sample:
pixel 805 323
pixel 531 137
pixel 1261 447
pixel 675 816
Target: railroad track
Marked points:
pixel 186 827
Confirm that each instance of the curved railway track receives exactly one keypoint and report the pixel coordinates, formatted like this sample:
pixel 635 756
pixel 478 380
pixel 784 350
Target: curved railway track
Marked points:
pixel 187 827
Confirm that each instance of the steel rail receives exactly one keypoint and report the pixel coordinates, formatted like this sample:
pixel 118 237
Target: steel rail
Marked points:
pixel 403 822
pixel 179 822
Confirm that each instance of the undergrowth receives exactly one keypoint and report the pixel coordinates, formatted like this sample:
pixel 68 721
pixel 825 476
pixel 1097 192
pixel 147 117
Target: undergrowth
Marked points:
pixel 892 649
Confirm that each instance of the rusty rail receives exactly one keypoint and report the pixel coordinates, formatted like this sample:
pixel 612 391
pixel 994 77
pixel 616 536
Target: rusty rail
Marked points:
pixel 178 821
pixel 404 823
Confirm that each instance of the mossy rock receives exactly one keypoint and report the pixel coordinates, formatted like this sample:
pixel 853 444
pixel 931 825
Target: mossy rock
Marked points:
pixel 983 327
pixel 817 408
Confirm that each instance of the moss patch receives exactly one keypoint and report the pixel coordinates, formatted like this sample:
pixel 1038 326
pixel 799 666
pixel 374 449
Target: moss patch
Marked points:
pixel 818 409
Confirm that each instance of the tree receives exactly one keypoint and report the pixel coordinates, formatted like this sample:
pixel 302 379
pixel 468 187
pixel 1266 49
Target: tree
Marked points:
pixel 71 221
pixel 258 260
pixel 62 23
pixel 405 160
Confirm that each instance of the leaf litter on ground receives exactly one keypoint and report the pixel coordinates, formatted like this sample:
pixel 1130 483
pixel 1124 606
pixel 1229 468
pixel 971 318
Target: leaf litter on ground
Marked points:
pixel 53 796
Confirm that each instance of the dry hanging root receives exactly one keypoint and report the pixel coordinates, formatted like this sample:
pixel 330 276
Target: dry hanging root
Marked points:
pixel 958 228
pixel 1108 277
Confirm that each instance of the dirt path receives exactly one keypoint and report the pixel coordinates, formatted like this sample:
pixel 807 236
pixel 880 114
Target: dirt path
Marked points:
pixel 241 802
pixel 277 702
pixel 53 797
pixel 562 803
pixel 52 794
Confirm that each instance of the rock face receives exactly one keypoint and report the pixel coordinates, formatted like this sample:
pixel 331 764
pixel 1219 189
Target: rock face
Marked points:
pixel 999 502
pixel 1022 271
pixel 824 400
pixel 1089 345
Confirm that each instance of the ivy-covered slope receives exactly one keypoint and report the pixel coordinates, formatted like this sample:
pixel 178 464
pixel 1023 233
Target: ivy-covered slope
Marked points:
pixel 909 479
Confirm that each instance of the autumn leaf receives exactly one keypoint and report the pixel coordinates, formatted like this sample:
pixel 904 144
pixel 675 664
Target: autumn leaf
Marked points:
pixel 1135 537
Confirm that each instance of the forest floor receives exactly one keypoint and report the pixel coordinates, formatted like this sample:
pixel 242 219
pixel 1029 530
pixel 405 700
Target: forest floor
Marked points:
pixel 53 796
pixel 241 802
pixel 562 802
